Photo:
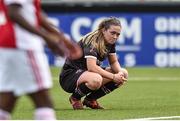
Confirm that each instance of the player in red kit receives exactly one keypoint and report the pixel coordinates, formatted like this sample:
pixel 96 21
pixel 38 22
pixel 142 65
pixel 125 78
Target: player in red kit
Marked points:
pixel 24 68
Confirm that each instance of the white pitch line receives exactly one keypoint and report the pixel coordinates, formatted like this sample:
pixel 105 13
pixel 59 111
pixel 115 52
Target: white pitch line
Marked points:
pixel 155 78
pixel 155 118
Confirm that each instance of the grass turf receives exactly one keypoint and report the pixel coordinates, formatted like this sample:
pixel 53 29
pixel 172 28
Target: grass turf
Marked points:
pixel 150 92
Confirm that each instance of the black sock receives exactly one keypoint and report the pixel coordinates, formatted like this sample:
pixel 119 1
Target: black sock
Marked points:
pixel 81 91
pixel 106 89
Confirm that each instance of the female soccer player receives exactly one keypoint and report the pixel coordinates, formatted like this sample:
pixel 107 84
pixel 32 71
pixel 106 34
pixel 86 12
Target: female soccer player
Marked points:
pixel 85 76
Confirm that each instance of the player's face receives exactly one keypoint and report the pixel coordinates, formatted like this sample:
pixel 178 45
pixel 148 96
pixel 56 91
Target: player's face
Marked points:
pixel 112 34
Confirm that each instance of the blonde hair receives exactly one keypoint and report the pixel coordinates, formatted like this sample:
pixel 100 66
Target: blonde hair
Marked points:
pixel 96 38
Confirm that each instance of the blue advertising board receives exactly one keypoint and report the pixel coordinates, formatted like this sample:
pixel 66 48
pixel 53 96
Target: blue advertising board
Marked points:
pixel 147 39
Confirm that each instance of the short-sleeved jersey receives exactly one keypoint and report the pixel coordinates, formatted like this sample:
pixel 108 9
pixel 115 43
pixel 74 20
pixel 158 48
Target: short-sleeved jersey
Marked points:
pixel 14 36
pixel 89 51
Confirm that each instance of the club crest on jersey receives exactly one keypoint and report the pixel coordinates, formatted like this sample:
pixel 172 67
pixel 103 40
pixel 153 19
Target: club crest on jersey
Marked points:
pixel 91 50
pixel 78 71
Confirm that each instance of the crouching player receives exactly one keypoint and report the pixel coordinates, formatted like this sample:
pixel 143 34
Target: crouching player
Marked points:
pixel 85 76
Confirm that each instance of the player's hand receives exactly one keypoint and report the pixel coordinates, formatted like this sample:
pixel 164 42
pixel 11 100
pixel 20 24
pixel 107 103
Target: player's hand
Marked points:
pixel 119 78
pixel 62 46
pixel 122 76
pixel 74 50
pixel 57 47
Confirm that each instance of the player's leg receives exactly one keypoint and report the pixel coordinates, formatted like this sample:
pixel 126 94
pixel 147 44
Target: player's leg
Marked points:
pixel 7 98
pixel 91 99
pixel 107 87
pixel 44 105
pixel 87 82
pixel 7 103
pixel 39 82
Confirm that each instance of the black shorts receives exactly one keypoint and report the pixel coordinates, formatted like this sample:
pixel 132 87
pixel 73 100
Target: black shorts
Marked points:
pixel 68 78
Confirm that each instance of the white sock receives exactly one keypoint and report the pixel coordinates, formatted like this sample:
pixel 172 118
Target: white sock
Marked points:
pixel 44 113
pixel 4 115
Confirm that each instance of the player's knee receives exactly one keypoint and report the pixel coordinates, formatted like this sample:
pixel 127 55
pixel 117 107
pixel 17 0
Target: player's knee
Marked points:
pixel 96 82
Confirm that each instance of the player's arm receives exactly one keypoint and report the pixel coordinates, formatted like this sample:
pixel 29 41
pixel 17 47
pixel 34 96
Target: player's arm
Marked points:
pixel 93 67
pixel 15 15
pixel 48 26
pixel 114 63
pixel 74 49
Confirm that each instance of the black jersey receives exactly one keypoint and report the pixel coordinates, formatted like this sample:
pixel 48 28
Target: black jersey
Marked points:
pixel 73 69
pixel 88 51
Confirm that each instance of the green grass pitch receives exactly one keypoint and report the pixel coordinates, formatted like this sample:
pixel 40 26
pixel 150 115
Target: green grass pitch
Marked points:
pixel 149 92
